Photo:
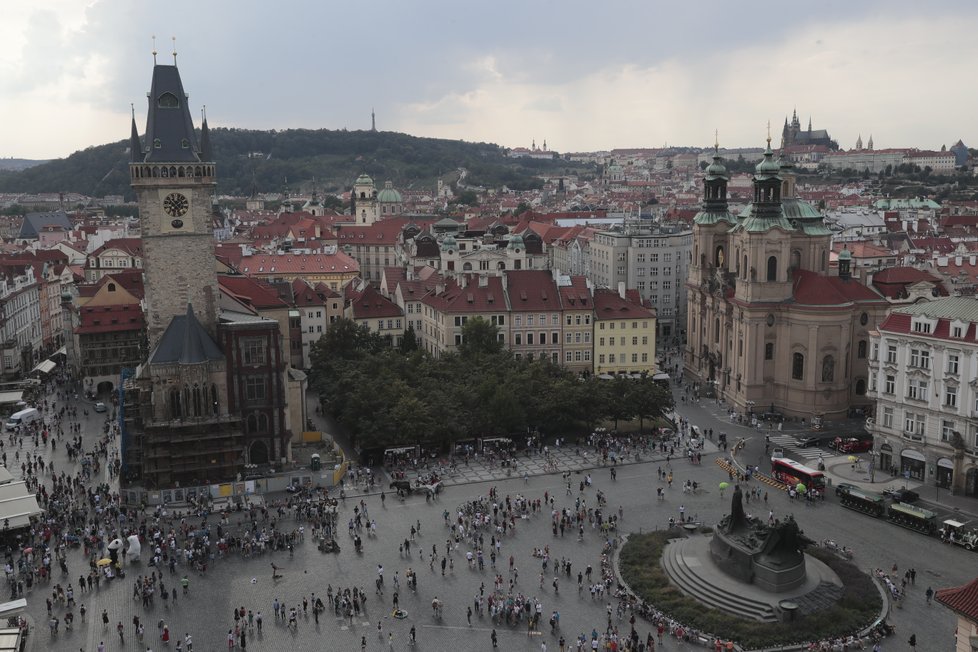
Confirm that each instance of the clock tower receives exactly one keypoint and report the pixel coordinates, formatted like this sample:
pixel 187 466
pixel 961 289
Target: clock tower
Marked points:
pixel 174 178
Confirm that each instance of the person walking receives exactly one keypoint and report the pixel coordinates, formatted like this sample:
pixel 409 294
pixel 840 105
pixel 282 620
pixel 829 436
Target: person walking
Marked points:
pixel 494 639
pixel 929 593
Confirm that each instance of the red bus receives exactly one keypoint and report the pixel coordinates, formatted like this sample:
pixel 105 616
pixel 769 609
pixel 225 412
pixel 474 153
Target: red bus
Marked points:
pixel 791 473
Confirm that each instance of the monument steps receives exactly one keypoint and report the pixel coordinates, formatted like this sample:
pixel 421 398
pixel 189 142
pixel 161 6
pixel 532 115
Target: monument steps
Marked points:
pixel 713 595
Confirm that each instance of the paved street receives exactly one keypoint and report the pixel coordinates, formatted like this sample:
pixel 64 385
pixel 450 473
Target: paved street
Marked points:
pixel 207 613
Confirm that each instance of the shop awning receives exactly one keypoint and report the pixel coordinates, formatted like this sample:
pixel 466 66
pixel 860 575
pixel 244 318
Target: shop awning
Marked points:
pixel 946 463
pixel 45 366
pixel 910 453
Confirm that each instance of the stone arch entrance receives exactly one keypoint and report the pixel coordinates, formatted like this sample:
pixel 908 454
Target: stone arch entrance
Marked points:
pixel 258 453
pixel 104 387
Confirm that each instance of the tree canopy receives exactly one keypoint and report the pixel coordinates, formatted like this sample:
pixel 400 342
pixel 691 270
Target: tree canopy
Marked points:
pixel 395 396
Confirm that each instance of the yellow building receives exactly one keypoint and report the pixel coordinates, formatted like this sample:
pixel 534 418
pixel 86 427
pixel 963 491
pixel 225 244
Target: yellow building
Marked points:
pixel 624 333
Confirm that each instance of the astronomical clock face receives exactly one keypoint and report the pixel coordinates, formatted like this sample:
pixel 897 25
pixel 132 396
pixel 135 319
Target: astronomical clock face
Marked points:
pixel 176 209
pixel 175 204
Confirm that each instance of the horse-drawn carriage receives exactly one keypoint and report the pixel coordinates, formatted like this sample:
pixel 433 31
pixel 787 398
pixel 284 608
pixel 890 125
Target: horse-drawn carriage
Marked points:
pixel 405 488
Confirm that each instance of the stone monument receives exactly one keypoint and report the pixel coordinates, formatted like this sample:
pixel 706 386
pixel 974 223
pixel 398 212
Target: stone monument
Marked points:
pixel 772 557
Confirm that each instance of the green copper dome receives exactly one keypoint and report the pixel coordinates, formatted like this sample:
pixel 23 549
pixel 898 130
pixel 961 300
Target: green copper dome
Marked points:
pixel 768 167
pixel 389 195
pixel 364 179
pixel 845 254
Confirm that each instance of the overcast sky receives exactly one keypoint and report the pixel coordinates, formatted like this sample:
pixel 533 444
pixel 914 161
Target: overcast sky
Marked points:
pixel 580 75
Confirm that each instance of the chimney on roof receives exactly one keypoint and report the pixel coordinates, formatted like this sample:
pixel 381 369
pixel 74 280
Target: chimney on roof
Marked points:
pixel 463 280
pixel 621 289
pixel 410 273
pixel 972 259
pixel 484 280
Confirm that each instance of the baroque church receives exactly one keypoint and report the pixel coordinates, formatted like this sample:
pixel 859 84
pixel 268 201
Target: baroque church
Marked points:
pixel 209 398
pixel 771 327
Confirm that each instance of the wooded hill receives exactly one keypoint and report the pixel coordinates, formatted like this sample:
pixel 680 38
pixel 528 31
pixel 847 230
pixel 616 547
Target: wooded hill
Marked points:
pixel 302 158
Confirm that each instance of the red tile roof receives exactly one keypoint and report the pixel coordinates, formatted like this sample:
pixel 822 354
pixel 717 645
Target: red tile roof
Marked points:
pixel 470 299
pixel 961 599
pixel 369 303
pixel 812 289
pixel 109 319
pixel 609 305
pixel 132 246
pixel 892 282
pixel 253 292
pixel 532 290
pixel 289 263
pixel 577 295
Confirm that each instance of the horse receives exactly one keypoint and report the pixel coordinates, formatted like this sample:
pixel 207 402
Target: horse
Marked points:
pixel 403 487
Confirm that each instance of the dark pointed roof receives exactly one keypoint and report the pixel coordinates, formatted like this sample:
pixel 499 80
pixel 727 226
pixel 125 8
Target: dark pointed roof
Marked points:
pixel 205 142
pixel 169 126
pixel 185 342
pixel 135 147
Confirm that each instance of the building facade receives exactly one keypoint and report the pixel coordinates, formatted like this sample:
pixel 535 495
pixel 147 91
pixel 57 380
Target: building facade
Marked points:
pixel 768 326
pixel 655 260
pixel 624 334
pixel 924 362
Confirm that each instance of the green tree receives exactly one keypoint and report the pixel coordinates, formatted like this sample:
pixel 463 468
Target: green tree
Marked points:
pixel 479 337
pixel 409 343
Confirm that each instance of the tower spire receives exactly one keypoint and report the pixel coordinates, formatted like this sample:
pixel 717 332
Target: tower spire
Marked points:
pixel 154 49
pixel 135 147
pixel 174 38
pixel 373 120
pixel 716 141
pixel 205 136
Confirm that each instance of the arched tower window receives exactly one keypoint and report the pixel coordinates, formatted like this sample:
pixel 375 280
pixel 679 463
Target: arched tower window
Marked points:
pixel 716 330
pixel 772 268
pixel 198 407
pixel 175 412
pixel 798 366
pixel 214 402
pixel 744 268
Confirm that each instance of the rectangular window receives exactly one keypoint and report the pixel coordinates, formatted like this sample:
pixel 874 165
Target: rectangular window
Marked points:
pixel 611 358
pixel 611 341
pixel 577 356
pixel 529 320
pixel 587 356
pixel 953 361
pixel 947 430
pixel 891 353
pixel 769 351
pixel 917 390
pixel 634 341
pixel 254 350
pixel 951 397
pixel 888 417
pixel 634 357
pixel 920 358
pixel 519 320
pixel 529 338
pixel 568 356
pixel 601 359
pixel 518 339
pixel 876 350
pixel 889 387
pixel 957 332
pixel 568 337
pixel 255 388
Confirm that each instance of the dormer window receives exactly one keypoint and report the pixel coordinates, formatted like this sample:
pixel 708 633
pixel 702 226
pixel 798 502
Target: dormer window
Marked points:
pixel 958 329
pixel 157 143
pixel 922 326
pixel 185 144
pixel 168 101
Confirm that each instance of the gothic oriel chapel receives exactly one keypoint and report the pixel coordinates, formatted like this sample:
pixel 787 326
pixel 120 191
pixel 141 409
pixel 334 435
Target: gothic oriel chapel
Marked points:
pixel 770 326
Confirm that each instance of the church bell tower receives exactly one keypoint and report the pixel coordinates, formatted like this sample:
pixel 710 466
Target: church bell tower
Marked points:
pixel 173 176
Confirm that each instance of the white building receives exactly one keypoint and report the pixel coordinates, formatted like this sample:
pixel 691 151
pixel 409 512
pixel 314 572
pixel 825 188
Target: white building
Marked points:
pixel 20 330
pixel 654 259
pixel 923 367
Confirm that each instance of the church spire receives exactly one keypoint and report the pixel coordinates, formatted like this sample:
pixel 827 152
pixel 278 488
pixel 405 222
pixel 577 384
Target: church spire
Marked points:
pixel 205 137
pixel 170 136
pixel 135 147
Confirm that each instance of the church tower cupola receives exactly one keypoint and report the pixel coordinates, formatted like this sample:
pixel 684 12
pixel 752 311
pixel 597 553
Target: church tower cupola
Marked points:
pixel 715 207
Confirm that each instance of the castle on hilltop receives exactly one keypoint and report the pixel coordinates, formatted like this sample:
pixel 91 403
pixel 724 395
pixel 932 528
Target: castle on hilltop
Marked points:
pixel 793 134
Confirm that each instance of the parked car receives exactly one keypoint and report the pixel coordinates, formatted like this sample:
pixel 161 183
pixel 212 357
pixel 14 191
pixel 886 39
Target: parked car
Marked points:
pixel 852 445
pixel 902 495
pixel 777 453
pixel 100 407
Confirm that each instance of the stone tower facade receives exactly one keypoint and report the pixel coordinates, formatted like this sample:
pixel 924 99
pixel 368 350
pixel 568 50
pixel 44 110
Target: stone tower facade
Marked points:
pixel 174 179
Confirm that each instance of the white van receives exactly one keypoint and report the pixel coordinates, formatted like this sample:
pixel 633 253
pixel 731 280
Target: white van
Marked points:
pixel 22 418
